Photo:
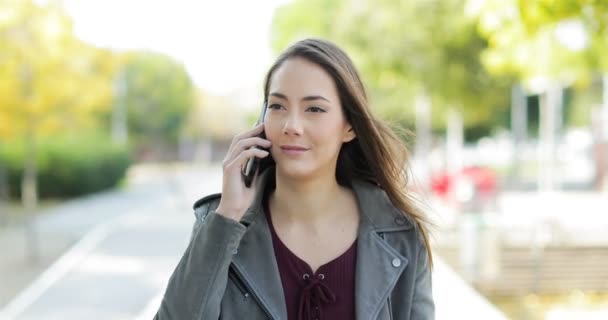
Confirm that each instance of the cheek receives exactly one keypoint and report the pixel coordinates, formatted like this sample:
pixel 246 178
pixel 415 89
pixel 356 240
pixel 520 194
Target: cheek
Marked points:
pixel 272 129
pixel 328 135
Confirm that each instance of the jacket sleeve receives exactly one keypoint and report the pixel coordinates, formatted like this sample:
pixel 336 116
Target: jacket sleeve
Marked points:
pixel 197 285
pixel 423 306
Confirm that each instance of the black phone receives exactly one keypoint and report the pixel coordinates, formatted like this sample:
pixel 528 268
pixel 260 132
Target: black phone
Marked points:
pixel 253 164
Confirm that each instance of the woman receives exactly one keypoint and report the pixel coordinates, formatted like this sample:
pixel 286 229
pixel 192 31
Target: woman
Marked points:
pixel 327 230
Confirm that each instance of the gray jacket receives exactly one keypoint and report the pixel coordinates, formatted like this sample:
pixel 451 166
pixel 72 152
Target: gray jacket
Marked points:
pixel 229 269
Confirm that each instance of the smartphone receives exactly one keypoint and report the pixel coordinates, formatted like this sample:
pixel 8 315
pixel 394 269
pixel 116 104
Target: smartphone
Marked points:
pixel 253 163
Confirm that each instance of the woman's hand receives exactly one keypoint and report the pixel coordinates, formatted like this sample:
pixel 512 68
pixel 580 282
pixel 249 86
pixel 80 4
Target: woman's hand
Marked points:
pixel 236 197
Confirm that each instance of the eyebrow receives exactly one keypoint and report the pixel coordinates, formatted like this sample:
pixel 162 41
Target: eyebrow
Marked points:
pixel 307 98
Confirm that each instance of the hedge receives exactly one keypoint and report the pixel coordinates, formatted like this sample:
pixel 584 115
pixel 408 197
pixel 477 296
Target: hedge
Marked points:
pixel 68 166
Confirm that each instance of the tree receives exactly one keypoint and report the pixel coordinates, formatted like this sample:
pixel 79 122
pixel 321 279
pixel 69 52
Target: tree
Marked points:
pixel 43 79
pixel 548 45
pixel 559 40
pixel 159 95
pixel 50 81
pixel 406 49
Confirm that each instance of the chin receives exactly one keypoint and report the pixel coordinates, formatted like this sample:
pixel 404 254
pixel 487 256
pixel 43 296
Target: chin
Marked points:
pixel 295 170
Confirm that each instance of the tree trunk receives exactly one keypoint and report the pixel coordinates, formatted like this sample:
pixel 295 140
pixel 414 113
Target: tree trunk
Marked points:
pixel 423 140
pixel 598 147
pixel 550 106
pixel 455 142
pixel 29 191
pixel 4 193
pixel 454 156
pixel 600 121
pixel 519 131
pixel 119 110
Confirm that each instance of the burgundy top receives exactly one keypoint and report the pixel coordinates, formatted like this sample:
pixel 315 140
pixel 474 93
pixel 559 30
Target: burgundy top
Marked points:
pixel 327 294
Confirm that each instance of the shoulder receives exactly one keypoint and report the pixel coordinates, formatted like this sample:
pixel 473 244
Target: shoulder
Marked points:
pixel 379 209
pixel 405 224
pixel 207 200
pixel 204 205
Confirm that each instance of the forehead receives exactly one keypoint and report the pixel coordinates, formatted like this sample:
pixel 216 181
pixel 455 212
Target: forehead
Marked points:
pixel 300 77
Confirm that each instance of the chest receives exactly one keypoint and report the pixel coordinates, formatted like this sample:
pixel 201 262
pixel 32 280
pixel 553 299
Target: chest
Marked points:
pixel 322 246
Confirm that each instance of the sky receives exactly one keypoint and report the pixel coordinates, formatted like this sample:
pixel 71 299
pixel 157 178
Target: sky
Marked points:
pixel 224 44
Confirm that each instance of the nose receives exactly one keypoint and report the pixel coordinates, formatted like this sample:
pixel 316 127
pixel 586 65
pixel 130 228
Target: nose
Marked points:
pixel 293 125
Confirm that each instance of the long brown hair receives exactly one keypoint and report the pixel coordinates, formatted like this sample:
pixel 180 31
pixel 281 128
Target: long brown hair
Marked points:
pixel 376 154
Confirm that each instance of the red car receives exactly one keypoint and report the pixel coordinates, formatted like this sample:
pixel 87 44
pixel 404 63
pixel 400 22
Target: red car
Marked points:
pixel 474 187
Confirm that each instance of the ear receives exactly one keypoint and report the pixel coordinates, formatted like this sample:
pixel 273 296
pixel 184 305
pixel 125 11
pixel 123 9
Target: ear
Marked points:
pixel 349 134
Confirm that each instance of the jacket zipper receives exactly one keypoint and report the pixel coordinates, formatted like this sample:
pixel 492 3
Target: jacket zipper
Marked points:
pixel 239 284
pixel 246 289
pixel 388 300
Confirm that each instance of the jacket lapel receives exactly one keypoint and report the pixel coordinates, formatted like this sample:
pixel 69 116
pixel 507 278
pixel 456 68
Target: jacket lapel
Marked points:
pixel 377 273
pixel 255 259
pixel 379 265
pixel 378 268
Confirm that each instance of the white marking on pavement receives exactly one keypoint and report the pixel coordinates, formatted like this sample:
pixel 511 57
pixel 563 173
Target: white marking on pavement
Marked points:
pixel 56 271
pixel 106 264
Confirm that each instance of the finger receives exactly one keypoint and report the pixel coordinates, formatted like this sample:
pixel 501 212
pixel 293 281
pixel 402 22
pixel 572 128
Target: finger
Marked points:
pixel 250 133
pixel 247 144
pixel 256 131
pixel 252 142
pixel 242 158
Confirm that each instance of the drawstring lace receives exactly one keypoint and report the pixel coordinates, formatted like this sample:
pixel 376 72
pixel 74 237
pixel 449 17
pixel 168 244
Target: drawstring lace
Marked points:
pixel 313 295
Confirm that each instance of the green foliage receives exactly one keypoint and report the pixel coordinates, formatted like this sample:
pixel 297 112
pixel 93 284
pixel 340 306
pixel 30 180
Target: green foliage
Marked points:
pixel 159 95
pixel 403 49
pixel 49 79
pixel 583 101
pixel 563 40
pixel 68 166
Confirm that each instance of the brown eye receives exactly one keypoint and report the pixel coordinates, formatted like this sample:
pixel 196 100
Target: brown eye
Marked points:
pixel 316 109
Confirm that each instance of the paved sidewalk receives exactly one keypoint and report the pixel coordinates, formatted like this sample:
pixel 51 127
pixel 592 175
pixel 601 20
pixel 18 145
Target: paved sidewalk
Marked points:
pixel 113 272
pixel 119 269
pixel 61 227
pixel 57 229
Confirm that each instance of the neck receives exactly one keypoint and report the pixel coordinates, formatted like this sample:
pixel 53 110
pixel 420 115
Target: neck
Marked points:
pixel 308 201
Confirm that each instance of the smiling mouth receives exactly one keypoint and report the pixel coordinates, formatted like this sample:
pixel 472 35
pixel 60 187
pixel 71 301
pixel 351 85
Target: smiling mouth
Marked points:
pixel 293 150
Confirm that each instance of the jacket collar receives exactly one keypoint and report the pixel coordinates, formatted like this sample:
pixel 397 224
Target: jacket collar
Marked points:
pixel 378 264
pixel 377 211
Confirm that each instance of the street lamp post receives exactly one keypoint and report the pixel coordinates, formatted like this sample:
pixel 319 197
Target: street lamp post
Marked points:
pixel 119 110
pixel 550 122
pixel 519 129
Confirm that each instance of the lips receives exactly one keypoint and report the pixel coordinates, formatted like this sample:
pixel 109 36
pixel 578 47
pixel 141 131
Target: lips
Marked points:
pixel 293 148
pixel 293 151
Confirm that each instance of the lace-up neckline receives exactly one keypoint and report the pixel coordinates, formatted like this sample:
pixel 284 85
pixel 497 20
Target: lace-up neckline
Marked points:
pixel 326 294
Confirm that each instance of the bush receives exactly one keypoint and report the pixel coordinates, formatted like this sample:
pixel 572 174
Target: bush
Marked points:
pixel 68 166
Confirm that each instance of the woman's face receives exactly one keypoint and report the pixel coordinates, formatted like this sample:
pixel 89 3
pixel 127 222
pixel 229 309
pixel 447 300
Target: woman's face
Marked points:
pixel 304 120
